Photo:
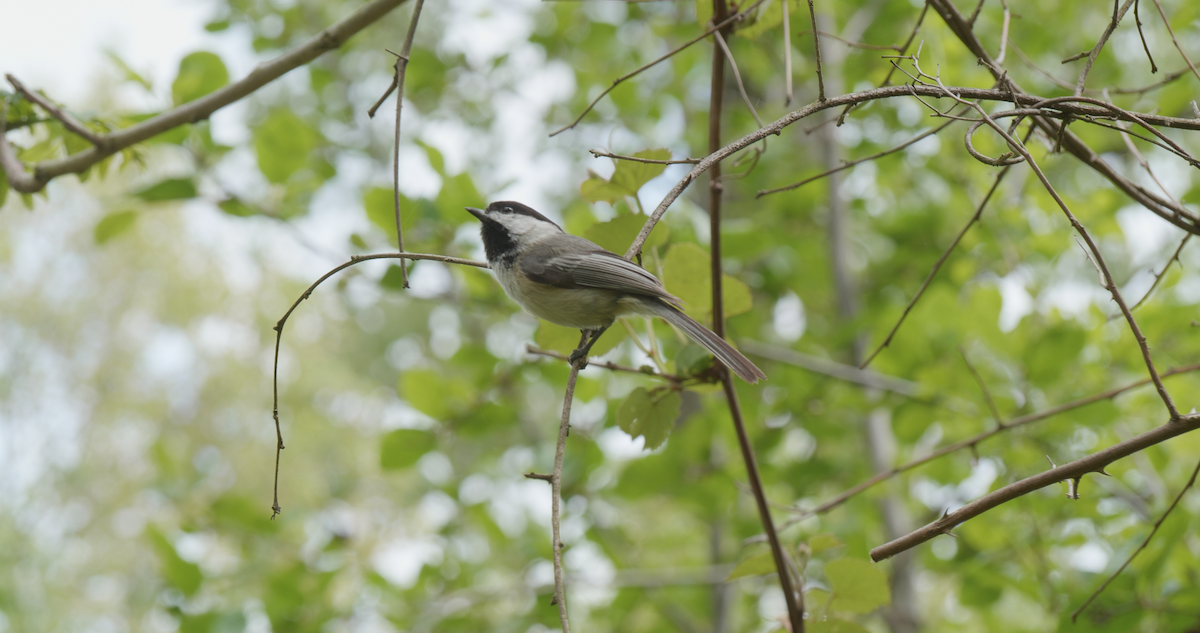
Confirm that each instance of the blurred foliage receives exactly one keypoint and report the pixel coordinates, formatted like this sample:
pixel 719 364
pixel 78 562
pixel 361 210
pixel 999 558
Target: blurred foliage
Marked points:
pixel 137 342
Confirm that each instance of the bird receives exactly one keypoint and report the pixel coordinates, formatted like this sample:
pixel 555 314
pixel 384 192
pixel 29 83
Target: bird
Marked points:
pixel 573 282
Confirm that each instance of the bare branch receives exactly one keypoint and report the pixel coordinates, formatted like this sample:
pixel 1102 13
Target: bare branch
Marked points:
pixel 645 371
pixel 1071 471
pixel 737 76
pixel 652 161
pixel 987 394
pixel 833 369
pixel 1095 52
pixel 564 429
pixel 975 440
pixel 276 509
pixel 1146 47
pixel 737 17
pixel 812 14
pixel 851 44
pixel 202 108
pixel 1176 41
pixel 1157 524
pixel 1158 276
pixel 68 121
pixel 398 82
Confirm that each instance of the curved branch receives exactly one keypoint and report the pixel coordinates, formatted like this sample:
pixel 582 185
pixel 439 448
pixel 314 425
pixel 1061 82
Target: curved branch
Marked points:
pixel 201 108
pixel 1073 471
pixel 282 321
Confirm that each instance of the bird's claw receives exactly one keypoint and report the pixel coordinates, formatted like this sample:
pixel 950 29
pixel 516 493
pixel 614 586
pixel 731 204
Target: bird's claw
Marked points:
pixel 579 357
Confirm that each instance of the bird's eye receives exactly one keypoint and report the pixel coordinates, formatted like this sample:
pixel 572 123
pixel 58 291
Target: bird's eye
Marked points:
pixel 507 210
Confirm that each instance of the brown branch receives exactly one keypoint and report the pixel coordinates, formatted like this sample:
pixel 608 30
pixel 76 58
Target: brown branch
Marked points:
pixel 1146 47
pixel 276 509
pixel 1176 41
pixel 1157 524
pixel 1072 471
pixel 1095 52
pixel 938 265
pixel 19 179
pixel 645 371
pixel 812 14
pixel 715 189
pixel 860 45
pixel 1004 33
pixel 202 108
pixel 849 164
pixel 833 369
pixel 637 159
pixel 987 394
pixel 1158 276
pixel 737 76
pixel 1180 217
pixel 398 82
pixel 564 429
pixel 975 440
pixel 901 50
pixel 68 121
pixel 1173 213
pixel 737 17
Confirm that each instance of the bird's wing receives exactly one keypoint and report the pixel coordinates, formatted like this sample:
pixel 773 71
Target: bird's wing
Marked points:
pixel 579 263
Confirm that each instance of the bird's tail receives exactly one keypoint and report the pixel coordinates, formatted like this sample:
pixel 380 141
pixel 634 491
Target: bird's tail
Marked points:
pixel 705 337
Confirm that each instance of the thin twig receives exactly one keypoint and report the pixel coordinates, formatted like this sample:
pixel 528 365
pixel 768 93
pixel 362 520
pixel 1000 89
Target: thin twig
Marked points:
pixel 200 109
pixel 1181 217
pixel 1157 524
pixel 812 14
pixel 737 76
pixel 938 265
pixel 852 44
pixel 975 440
pixel 1003 33
pixel 737 17
pixel 787 56
pixel 987 394
pixel 857 161
pixel 901 50
pixel 1072 471
pixel 398 81
pixel 1176 41
pixel 715 189
pixel 645 371
pixel 637 159
pixel 564 429
pixel 1158 276
pixel 276 509
pixel 833 369
pixel 1146 47
pixel 68 121
pixel 1095 52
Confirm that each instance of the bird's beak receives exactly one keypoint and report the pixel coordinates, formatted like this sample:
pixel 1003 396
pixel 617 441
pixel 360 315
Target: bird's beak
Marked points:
pixel 479 213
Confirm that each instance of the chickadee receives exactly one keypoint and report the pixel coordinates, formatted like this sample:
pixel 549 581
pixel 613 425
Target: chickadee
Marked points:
pixel 573 282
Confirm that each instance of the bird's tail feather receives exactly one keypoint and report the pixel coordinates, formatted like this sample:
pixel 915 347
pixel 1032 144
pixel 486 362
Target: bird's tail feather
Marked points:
pixel 708 339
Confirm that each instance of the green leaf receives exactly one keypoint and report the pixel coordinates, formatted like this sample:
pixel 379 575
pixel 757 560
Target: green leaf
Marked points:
pixel 457 193
pixel 618 233
pixel 435 157
pixel 172 189
pixel 112 225
pixel 199 74
pixel 235 207
pixel 283 143
pixel 626 180
pixel 858 586
pixel 3 190
pixel 692 360
pixel 565 340
pixel 753 565
pixel 433 393
pixel 178 573
pixel 687 275
pixel 393 278
pixel 770 16
pixel 129 74
pixel 403 447
pixel 649 414
pixel 821 542
pixel 834 626
pixel 237 511
pixel 704 13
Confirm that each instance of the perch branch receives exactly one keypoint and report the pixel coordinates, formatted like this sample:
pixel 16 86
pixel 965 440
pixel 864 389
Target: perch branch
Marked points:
pixel 68 121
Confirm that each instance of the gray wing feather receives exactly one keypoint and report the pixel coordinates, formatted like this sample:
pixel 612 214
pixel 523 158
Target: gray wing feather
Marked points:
pixel 568 261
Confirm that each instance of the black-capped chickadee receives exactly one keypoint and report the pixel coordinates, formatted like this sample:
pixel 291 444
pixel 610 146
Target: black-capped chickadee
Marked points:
pixel 573 282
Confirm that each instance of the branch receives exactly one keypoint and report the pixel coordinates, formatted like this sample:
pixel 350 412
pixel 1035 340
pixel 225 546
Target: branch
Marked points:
pixel 812 15
pixel 645 371
pixel 275 508
pixel 637 159
pixel 18 178
pixel 398 83
pixel 202 108
pixel 737 17
pixel 1158 277
pixel 975 440
pixel 1176 41
pixel 68 121
pixel 1191 482
pixel 833 369
pixel 1091 58
pixel 564 429
pixel 1073 471
pixel 1180 217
